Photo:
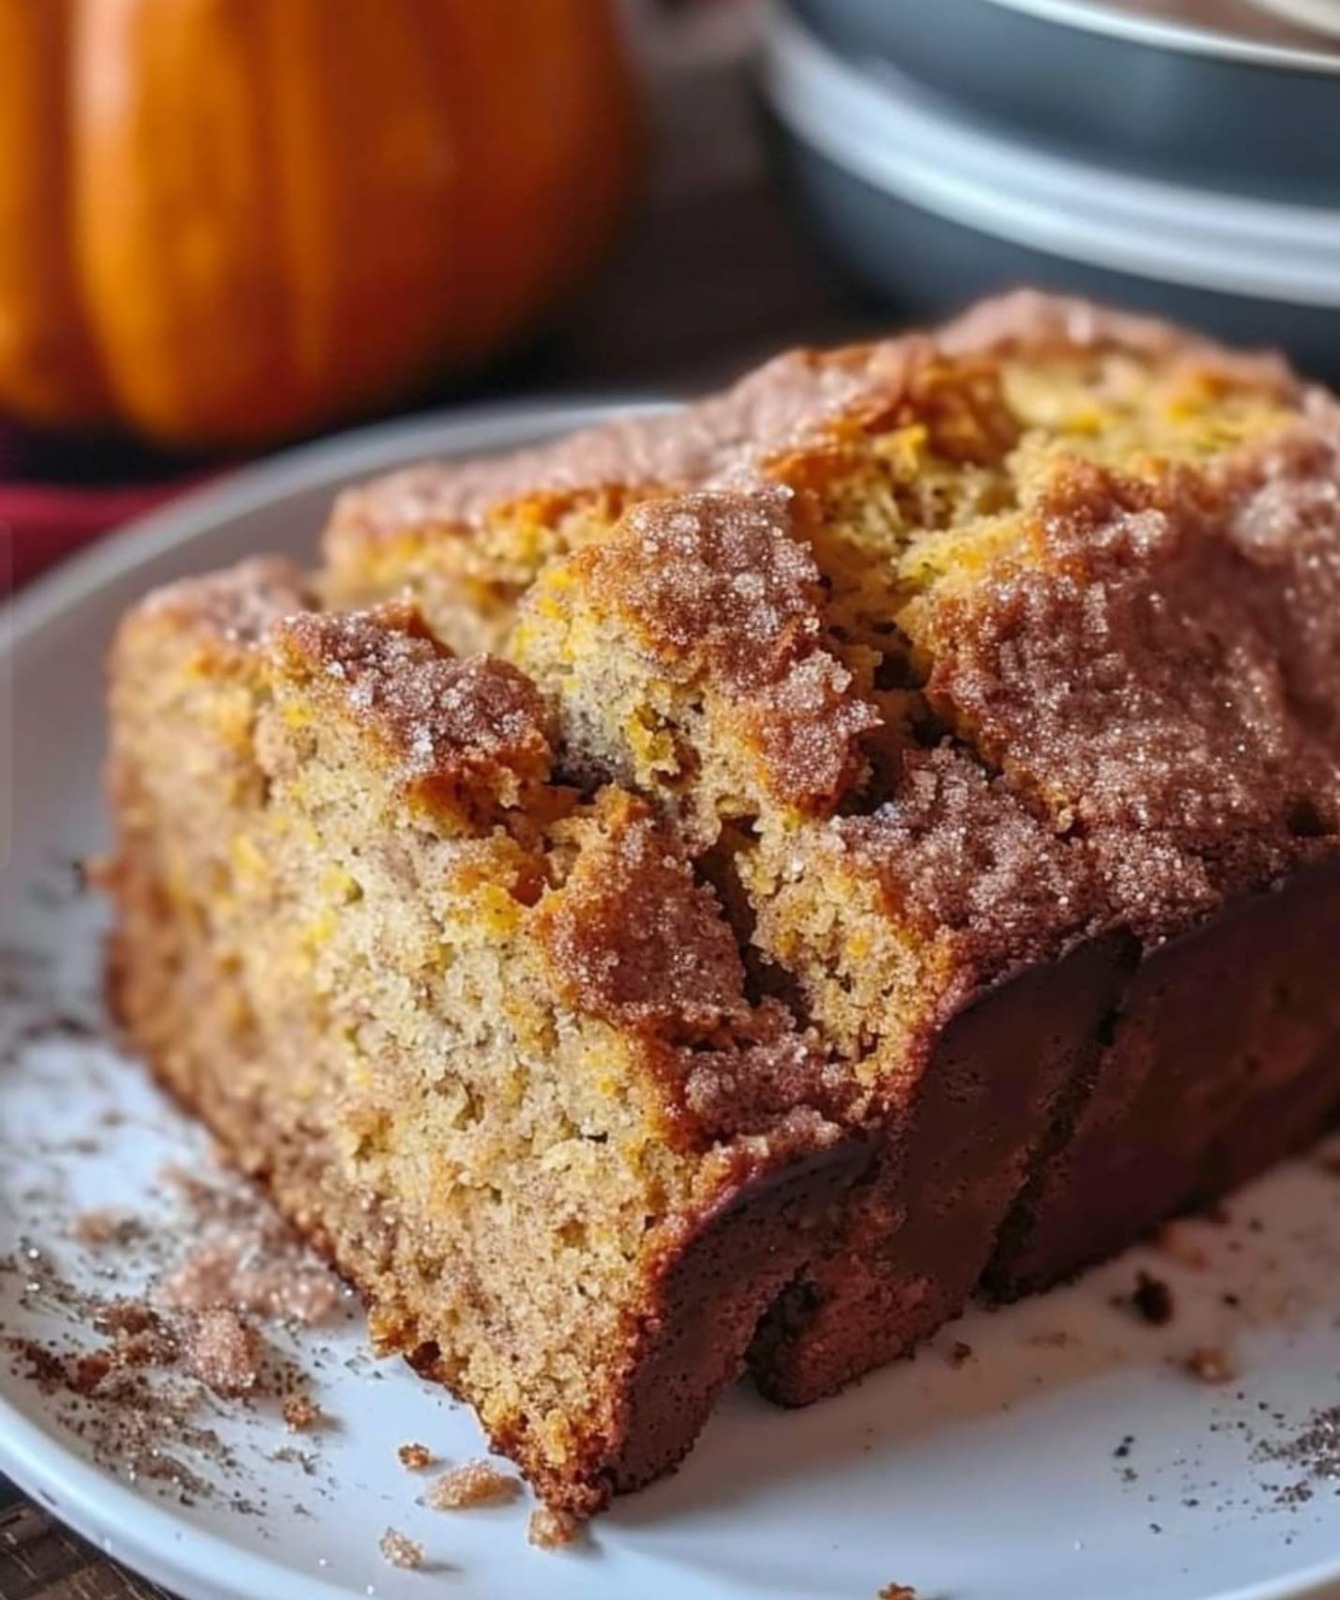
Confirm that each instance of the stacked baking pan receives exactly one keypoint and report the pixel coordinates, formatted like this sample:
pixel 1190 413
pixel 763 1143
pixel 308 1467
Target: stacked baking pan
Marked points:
pixel 1181 155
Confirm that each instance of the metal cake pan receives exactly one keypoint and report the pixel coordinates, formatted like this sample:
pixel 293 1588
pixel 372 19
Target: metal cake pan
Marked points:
pixel 1212 92
pixel 931 210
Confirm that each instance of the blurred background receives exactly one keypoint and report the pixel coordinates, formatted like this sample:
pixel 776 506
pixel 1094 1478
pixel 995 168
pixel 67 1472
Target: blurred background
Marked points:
pixel 231 225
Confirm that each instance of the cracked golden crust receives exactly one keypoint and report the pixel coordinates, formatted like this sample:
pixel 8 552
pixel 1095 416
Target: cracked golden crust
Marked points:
pixel 801 401
pixel 718 596
pixel 632 938
pixel 454 729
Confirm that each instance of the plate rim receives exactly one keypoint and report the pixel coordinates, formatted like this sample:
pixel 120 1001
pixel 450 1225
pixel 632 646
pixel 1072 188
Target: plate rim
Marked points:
pixel 1151 31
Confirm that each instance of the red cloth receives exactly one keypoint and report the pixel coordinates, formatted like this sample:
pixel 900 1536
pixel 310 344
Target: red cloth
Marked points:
pixel 55 497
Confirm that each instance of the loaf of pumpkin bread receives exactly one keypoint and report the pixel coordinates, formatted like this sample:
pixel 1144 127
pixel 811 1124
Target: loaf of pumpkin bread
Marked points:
pixel 886 848
pixel 993 676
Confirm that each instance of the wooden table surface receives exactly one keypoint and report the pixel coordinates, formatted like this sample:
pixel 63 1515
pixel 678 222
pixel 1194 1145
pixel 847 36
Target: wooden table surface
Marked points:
pixel 715 275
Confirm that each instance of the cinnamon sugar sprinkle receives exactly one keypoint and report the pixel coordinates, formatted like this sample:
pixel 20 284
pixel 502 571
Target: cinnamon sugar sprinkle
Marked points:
pixel 247 1260
pixel 139 1378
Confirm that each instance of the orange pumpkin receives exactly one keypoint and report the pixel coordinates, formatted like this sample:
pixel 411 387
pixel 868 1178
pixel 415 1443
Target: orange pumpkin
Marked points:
pixel 227 221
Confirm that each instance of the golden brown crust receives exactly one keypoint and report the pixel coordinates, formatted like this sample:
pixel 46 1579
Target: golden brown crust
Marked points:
pixel 798 401
pixel 461 729
pixel 715 590
pixel 235 607
pixel 633 939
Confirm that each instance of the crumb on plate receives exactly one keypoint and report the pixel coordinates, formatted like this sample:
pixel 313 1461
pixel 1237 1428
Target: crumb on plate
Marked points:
pixel 1211 1364
pixel 1176 1241
pixel 549 1529
pixel 104 1226
pixel 477 1483
pixel 301 1413
pixel 400 1551
pixel 221 1349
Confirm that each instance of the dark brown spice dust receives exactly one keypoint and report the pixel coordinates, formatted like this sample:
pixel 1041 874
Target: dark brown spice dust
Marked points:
pixel 135 1394
pixel 134 1425
pixel 1152 1300
pixel 134 1397
pixel 1295 1494
pixel 1315 1447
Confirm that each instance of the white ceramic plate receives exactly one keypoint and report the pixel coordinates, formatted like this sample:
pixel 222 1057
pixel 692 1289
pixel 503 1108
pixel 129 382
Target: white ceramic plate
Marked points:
pixel 996 1477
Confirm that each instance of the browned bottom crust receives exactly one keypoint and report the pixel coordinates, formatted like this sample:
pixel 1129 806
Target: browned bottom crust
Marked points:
pixel 1134 1090
pixel 920 1231
pixel 1223 1056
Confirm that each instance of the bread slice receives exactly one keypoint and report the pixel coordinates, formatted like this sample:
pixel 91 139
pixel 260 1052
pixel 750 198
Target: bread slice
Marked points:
pixel 994 676
pixel 484 1039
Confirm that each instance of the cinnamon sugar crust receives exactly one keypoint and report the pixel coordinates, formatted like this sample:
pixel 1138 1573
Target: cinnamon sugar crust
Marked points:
pixel 789 403
pixel 962 855
pixel 454 728
pixel 675 968
pixel 723 606
pixel 1129 668
pixel 234 607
